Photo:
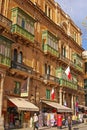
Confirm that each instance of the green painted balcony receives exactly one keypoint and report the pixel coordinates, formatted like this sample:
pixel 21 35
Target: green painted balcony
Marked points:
pixel 79 68
pixel 49 50
pixel 76 66
pixel 68 84
pixel 5 60
pixel 50 43
pixel 5 51
pixel 22 32
pixel 78 62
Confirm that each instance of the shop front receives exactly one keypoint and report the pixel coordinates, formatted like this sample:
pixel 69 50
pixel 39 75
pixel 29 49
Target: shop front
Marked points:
pixel 50 113
pixel 19 113
pixel 82 108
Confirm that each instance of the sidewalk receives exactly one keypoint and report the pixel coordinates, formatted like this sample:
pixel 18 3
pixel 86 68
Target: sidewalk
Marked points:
pixel 77 126
pixel 56 128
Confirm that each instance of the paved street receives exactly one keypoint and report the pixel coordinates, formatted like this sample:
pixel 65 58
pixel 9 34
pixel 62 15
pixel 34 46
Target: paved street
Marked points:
pixel 76 127
pixel 82 126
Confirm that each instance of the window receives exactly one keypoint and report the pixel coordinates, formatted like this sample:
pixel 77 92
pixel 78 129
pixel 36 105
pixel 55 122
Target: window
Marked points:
pixel 85 67
pixel 15 55
pixel 85 83
pixel 47 69
pixel 49 12
pixel 19 20
pixel 63 51
pixel 17 88
pixel 23 23
pixel 46 9
pixel 20 57
pixel 74 35
pixel 74 61
pixel 47 94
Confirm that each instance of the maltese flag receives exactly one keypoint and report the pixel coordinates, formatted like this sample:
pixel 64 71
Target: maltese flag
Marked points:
pixel 52 94
pixel 67 71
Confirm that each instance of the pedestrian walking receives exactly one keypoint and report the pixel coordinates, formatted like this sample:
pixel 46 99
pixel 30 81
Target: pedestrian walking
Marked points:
pixel 35 120
pixel 66 120
pixel 69 122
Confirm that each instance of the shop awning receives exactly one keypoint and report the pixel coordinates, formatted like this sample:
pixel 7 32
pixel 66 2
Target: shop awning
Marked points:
pixel 82 106
pixel 23 104
pixel 60 108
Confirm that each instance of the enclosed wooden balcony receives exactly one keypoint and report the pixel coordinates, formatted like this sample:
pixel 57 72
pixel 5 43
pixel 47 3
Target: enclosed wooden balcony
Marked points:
pixel 5 61
pixel 50 44
pixel 65 61
pixel 68 84
pixel 48 50
pixel 21 32
pixel 5 23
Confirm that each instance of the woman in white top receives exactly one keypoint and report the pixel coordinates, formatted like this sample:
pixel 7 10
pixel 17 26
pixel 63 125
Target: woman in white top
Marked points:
pixel 35 119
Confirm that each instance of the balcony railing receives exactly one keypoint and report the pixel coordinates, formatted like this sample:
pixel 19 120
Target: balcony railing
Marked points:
pixel 48 49
pixel 80 88
pixel 22 32
pixel 5 60
pixel 75 66
pixel 51 78
pixel 64 59
pixel 79 68
pixel 68 84
pixel 5 22
pixel 21 67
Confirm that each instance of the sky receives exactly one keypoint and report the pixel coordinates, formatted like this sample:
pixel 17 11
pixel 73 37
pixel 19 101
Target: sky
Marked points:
pixel 77 10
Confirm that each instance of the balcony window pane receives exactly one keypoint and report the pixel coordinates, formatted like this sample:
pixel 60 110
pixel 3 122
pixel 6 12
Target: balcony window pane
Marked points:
pixel 20 57
pixel 23 23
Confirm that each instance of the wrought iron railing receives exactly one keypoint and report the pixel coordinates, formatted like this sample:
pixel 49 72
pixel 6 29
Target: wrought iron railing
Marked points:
pixel 21 67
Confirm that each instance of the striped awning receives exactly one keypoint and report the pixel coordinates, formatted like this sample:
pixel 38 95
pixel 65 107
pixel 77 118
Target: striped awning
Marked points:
pixel 60 108
pixel 23 104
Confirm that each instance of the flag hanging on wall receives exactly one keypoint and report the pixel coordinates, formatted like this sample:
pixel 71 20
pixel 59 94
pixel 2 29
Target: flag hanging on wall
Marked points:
pixel 52 94
pixel 25 88
pixel 67 71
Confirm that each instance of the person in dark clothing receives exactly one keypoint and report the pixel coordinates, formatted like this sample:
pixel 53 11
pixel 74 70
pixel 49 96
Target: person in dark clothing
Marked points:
pixel 69 122
pixel 66 120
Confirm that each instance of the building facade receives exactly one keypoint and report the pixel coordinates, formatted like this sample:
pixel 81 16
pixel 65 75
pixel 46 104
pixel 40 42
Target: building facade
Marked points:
pixel 84 55
pixel 38 41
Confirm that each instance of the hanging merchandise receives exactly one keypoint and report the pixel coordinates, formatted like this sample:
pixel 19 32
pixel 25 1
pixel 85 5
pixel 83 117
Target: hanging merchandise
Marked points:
pixel 41 119
pixel 48 119
pixel 52 120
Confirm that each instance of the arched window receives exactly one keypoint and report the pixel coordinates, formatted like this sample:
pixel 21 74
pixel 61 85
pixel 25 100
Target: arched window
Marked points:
pixel 63 51
pixel 15 55
pixel 20 57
